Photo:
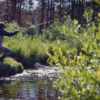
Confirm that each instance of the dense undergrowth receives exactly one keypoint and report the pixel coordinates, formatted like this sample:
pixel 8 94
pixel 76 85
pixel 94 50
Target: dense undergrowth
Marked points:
pixel 80 78
pixel 31 48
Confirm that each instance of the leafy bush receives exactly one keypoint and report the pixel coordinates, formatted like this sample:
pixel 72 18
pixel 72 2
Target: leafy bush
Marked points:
pixel 58 30
pixel 80 67
pixel 79 78
pixel 12 26
pixel 32 31
pixel 29 50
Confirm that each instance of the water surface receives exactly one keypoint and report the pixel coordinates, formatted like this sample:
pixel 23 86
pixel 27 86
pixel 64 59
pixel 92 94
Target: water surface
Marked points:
pixel 28 87
pixel 27 90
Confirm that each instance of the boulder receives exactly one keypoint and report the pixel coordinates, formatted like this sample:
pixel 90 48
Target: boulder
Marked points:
pixel 10 67
pixel 38 65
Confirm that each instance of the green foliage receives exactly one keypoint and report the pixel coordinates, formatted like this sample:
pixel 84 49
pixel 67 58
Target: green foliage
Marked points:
pixel 88 14
pixel 65 31
pixel 80 66
pixel 12 26
pixel 26 49
pixel 32 31
pixel 97 1
pixel 59 30
pixel 29 49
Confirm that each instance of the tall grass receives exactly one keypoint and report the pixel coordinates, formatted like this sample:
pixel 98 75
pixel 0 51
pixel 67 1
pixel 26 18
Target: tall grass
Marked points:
pixel 31 48
pixel 26 50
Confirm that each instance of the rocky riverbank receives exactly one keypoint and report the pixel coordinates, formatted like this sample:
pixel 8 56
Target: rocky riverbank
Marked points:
pixel 39 72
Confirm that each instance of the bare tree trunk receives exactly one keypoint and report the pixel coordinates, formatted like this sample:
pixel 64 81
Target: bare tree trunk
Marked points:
pixel 13 8
pixel 19 18
pixel 48 13
pixel 73 9
pixel 7 4
pixel 60 9
pixel 42 17
pixel 53 11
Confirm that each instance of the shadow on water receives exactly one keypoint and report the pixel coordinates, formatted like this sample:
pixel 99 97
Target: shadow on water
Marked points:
pixel 29 89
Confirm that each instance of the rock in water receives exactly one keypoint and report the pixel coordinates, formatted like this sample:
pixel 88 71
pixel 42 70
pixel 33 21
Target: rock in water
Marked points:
pixel 10 67
pixel 38 65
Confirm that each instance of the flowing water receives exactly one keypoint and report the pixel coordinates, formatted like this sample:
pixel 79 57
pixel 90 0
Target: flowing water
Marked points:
pixel 28 87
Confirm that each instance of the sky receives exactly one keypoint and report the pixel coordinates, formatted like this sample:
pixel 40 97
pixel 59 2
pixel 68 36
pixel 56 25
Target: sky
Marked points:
pixel 35 3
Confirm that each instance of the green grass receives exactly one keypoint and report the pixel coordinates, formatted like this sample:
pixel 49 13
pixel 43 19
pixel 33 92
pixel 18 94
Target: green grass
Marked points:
pixel 26 50
pixel 29 49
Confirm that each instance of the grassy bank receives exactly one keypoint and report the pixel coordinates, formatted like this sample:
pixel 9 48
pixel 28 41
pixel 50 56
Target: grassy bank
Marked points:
pixel 29 47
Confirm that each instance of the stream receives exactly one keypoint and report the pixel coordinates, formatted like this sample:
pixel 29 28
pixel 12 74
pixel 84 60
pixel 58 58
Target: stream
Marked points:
pixel 30 85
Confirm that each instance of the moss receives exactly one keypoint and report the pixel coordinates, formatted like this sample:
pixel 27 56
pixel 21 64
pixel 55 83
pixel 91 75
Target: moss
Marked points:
pixel 10 67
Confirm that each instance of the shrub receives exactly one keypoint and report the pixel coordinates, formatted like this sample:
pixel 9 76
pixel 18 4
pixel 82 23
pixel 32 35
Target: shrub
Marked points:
pixel 32 31
pixel 12 26
pixel 58 30
pixel 79 78
pixel 80 68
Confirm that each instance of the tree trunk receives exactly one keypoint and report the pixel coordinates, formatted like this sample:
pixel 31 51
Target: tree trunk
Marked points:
pixel 13 8
pixel 48 13
pixel 7 4
pixel 42 17
pixel 60 11
pixel 53 11
pixel 19 18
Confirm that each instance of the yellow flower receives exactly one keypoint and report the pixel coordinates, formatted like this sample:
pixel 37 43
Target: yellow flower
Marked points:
pixel 58 42
pixel 98 14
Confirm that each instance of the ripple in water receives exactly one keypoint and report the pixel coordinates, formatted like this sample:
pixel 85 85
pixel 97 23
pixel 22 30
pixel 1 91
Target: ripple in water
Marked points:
pixel 31 85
